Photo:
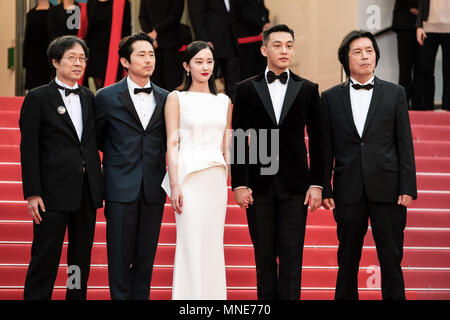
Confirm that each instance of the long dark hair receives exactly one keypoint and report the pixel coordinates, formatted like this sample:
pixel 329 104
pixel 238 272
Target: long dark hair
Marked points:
pixel 192 49
pixel 344 48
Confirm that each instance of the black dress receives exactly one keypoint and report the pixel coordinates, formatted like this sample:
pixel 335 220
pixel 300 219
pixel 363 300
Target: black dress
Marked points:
pixel 38 71
pixel 57 22
pixel 99 34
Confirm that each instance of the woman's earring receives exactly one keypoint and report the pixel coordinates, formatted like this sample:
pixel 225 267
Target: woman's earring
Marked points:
pixel 188 73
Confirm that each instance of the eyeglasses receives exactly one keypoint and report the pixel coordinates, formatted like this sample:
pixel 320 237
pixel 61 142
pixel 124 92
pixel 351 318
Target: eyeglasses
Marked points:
pixel 73 59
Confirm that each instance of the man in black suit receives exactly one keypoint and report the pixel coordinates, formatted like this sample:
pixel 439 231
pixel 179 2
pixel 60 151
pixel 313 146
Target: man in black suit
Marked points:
pixel 368 137
pixel 213 21
pixel 404 24
pixel 271 111
pixel 161 21
pixel 60 171
pixel 131 134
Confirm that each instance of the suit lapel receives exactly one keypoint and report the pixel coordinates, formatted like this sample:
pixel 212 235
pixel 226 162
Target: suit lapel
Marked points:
pixel 125 98
pixel 294 86
pixel 158 108
pixel 376 97
pixel 263 93
pixel 56 101
pixel 348 106
pixel 84 111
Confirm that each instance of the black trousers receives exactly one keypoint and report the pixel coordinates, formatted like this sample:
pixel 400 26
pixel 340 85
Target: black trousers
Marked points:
pixel 132 233
pixel 277 225
pixel 427 66
pixel 408 59
pixel 388 221
pixel 229 67
pixel 48 238
pixel 252 62
pixel 168 72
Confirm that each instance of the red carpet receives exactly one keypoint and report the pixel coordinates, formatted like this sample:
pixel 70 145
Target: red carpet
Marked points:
pixel 426 262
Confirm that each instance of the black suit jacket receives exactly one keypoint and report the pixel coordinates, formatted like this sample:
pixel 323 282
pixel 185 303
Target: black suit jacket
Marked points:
pixel 133 157
pixel 164 17
pixel 52 156
pixel 403 19
pixel 211 22
pixel 381 162
pixel 253 110
pixel 251 16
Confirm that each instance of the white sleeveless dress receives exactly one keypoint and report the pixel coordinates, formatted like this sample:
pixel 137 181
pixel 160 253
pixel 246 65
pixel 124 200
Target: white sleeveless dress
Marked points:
pixel 199 268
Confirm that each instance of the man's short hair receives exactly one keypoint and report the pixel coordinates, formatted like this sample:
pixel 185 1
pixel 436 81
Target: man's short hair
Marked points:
pixel 344 48
pixel 60 45
pixel 276 28
pixel 126 44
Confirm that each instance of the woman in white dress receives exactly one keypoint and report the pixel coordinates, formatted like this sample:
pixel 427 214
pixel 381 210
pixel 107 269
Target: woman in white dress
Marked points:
pixel 197 122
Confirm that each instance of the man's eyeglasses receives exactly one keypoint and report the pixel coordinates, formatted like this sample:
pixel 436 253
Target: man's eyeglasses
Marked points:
pixel 73 59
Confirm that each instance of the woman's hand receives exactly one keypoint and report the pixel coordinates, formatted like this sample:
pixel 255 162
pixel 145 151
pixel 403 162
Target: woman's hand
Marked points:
pixel 176 199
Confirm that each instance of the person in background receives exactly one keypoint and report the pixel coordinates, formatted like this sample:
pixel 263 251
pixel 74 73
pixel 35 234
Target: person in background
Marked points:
pixel 98 35
pixel 213 21
pixel 404 24
pixel 36 41
pixel 253 18
pixel 58 18
pixel 433 30
pixel 161 21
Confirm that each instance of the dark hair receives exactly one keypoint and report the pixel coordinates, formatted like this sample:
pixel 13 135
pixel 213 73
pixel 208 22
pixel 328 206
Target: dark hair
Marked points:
pixel 126 44
pixel 192 49
pixel 344 49
pixel 277 28
pixel 60 45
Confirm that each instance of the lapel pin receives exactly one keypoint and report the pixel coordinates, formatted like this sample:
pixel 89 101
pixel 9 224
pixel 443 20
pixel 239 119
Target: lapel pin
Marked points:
pixel 61 110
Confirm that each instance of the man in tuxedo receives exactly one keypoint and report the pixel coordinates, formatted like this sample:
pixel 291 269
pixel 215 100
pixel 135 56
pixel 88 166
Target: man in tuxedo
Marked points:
pixel 213 21
pixel 279 103
pixel 367 135
pixel 61 172
pixel 404 24
pixel 161 21
pixel 131 134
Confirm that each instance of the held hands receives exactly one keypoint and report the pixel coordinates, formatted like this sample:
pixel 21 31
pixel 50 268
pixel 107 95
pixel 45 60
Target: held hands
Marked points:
pixel 421 36
pixel 328 203
pixel 34 203
pixel 314 197
pixel 176 199
pixel 243 197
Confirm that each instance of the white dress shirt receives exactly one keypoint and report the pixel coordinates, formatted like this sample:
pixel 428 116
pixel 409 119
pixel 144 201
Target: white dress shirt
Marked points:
pixel 360 101
pixel 277 92
pixel 73 106
pixel 227 5
pixel 144 103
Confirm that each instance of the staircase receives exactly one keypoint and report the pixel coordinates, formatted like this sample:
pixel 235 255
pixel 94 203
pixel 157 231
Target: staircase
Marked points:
pixel 426 263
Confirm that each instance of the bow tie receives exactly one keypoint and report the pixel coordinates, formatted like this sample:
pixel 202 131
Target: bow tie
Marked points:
pixel 68 91
pixel 358 86
pixel 271 77
pixel 145 90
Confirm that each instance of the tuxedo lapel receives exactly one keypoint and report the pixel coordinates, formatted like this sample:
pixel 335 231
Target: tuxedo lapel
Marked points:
pixel 84 111
pixel 56 101
pixel 125 98
pixel 263 93
pixel 347 105
pixel 376 97
pixel 294 86
pixel 158 108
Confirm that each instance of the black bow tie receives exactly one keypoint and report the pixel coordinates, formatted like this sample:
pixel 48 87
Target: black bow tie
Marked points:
pixel 358 86
pixel 68 91
pixel 145 90
pixel 271 77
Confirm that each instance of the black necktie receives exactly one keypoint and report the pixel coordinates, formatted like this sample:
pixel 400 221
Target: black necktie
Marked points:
pixel 358 86
pixel 145 90
pixel 68 91
pixel 271 77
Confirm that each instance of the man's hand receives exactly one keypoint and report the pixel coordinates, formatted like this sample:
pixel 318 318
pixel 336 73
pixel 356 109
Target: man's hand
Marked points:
pixel 421 36
pixel 314 197
pixel 154 35
pixel 404 200
pixel 328 203
pixel 34 203
pixel 414 11
pixel 243 197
